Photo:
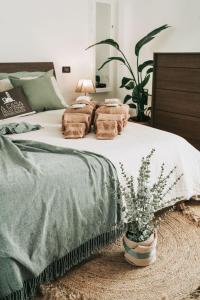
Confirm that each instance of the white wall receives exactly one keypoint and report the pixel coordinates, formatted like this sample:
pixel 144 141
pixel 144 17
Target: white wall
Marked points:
pixel 48 30
pixel 59 31
pixel 137 18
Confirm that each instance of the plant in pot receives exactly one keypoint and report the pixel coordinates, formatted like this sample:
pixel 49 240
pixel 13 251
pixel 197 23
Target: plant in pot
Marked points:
pixel 140 205
pixel 135 84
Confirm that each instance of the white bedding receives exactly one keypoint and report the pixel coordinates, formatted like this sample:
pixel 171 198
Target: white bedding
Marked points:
pixel 128 148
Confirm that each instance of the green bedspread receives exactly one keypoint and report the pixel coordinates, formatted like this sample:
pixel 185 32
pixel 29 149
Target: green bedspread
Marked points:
pixel 10 128
pixel 57 206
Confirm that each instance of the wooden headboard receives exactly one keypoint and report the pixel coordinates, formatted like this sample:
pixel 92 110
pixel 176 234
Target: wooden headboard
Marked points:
pixel 26 66
pixel 176 94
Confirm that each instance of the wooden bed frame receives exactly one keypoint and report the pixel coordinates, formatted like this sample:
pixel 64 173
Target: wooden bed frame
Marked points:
pixel 26 66
pixel 176 95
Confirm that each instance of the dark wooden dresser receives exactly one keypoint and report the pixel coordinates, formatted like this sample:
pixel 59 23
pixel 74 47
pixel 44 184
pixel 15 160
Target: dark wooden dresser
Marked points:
pixel 176 95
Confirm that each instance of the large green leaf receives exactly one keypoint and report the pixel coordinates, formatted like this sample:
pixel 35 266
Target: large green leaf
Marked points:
pixel 105 63
pixel 135 92
pixel 157 30
pixel 116 58
pixel 150 70
pixel 150 36
pixel 130 85
pixel 125 80
pixel 110 42
pixel 141 43
pixel 144 82
pixel 127 98
pixel 145 64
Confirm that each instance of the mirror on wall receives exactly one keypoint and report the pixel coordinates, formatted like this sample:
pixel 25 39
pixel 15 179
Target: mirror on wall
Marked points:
pixel 104 19
pixel 103 31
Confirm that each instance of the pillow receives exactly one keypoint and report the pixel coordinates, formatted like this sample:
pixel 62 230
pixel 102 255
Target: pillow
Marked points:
pixel 23 74
pixel 14 103
pixel 40 92
pixel 5 85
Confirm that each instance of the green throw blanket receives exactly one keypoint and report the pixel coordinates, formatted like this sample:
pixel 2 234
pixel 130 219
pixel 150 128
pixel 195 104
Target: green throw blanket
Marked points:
pixel 22 127
pixel 57 206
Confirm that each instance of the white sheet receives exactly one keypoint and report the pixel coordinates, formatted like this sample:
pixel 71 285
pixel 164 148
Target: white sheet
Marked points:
pixel 136 141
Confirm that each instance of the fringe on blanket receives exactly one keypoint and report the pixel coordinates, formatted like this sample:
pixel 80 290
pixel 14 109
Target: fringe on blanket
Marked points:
pixel 189 213
pixel 60 267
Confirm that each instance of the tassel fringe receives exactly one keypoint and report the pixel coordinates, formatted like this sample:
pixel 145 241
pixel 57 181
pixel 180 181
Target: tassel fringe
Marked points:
pixel 61 266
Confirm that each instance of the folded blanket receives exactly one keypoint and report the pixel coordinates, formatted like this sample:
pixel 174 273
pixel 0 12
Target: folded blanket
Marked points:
pixel 83 116
pixel 112 101
pixel 13 128
pixel 83 110
pixel 74 130
pixel 112 117
pixel 76 118
pixel 106 130
pixel 87 102
pixel 122 109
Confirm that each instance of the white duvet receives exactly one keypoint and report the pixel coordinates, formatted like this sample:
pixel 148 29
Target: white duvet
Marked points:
pixel 135 142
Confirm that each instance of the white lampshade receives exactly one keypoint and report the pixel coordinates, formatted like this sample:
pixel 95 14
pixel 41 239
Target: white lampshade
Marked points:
pixel 85 86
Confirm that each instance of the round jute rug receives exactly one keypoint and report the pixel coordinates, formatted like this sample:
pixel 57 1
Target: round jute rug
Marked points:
pixel 107 276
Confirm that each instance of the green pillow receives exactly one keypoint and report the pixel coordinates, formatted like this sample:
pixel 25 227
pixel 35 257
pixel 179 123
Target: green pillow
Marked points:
pixel 39 92
pixel 24 74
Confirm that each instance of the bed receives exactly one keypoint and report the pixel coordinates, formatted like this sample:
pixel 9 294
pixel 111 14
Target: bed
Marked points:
pixel 129 148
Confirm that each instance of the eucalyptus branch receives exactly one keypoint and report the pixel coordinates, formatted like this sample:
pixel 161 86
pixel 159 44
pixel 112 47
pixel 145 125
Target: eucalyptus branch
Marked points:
pixel 142 205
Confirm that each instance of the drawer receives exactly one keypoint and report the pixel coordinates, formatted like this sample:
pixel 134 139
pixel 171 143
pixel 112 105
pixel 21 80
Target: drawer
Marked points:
pixel 185 126
pixel 178 79
pixel 179 102
pixel 188 60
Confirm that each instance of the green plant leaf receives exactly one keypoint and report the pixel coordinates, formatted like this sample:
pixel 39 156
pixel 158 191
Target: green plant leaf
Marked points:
pixel 144 82
pixel 130 85
pixel 150 70
pixel 145 64
pixel 144 98
pixel 125 80
pixel 105 63
pixel 127 98
pixel 110 42
pixel 147 38
pixel 116 58
pixel 135 99
pixel 141 43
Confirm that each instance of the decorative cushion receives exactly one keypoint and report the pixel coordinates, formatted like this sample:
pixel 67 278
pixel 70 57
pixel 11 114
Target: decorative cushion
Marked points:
pixel 40 92
pixel 14 103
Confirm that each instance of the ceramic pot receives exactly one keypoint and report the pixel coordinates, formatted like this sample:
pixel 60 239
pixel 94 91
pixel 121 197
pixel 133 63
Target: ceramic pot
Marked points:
pixel 140 254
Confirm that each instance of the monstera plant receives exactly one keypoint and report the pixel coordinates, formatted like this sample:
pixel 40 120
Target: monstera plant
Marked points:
pixel 136 83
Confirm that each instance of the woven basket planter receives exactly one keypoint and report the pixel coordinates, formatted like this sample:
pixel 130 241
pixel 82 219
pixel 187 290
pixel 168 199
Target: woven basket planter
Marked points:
pixel 140 254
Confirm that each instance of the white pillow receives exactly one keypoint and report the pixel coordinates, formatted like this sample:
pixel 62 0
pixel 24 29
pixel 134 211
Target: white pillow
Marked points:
pixel 5 85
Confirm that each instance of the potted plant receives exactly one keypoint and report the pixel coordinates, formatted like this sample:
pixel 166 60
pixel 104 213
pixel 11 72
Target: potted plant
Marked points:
pixel 135 84
pixel 141 204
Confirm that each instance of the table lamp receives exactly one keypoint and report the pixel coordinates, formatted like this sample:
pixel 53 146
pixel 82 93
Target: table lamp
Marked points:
pixel 85 86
